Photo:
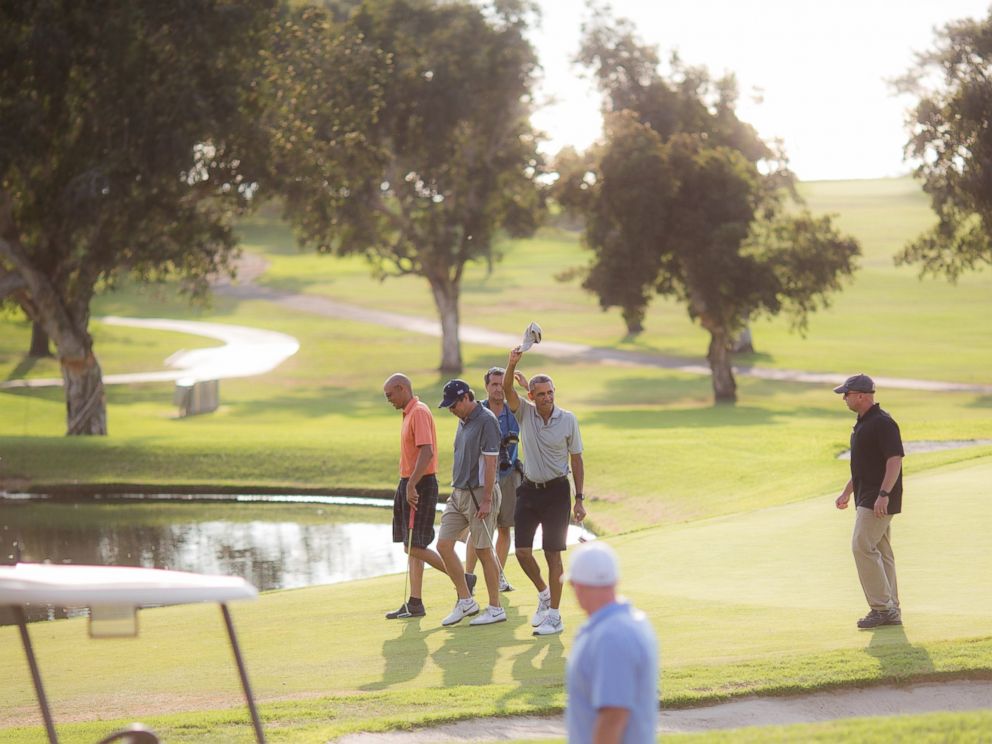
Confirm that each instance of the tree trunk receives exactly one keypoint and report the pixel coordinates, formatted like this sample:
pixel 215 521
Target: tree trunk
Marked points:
pixel 633 317
pixel 39 342
pixel 446 299
pixel 743 344
pixel 85 402
pixel 724 385
pixel 64 317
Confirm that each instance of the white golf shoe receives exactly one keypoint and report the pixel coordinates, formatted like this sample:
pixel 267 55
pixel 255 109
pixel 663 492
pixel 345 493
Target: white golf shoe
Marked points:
pixel 552 624
pixel 543 605
pixel 505 586
pixel 463 608
pixel 489 616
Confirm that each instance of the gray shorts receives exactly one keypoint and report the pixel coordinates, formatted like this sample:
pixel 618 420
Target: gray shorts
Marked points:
pixel 459 516
pixel 508 488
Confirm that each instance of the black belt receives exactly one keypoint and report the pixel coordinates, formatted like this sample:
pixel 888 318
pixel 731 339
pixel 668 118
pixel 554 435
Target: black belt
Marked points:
pixel 546 484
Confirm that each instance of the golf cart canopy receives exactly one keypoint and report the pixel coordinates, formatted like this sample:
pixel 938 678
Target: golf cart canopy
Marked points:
pixel 88 586
pixel 113 594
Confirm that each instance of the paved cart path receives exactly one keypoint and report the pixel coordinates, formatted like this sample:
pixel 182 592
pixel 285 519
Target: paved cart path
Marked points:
pixel 327 307
pixel 245 352
pixel 958 695
pixel 249 351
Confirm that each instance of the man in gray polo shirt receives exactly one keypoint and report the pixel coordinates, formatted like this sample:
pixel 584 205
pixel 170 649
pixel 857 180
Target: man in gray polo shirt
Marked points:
pixel 552 448
pixel 474 502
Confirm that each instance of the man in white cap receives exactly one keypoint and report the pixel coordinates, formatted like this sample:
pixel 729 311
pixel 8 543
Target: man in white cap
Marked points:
pixel 876 484
pixel 612 672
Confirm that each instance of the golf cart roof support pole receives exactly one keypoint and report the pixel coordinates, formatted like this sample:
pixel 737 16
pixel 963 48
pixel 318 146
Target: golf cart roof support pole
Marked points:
pixel 256 722
pixel 39 690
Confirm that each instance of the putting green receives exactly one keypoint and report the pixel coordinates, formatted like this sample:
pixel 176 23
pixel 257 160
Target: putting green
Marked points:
pixel 782 580
pixel 757 601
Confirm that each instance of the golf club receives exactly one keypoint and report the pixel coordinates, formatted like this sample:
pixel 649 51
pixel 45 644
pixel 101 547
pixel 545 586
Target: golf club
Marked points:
pixel 492 543
pixel 582 537
pixel 409 547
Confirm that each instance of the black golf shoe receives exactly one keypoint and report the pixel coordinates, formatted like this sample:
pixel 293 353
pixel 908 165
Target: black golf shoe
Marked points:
pixel 407 609
pixel 878 618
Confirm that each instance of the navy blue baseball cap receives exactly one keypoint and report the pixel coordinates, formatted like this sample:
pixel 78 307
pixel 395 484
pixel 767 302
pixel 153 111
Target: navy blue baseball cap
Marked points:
pixel 856 384
pixel 453 390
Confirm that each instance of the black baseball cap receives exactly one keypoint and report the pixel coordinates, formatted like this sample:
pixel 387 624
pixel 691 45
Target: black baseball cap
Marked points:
pixel 856 384
pixel 453 390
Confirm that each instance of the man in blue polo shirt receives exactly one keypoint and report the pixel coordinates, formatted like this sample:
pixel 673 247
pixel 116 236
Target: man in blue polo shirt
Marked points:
pixel 612 672
pixel 876 484
pixel 510 471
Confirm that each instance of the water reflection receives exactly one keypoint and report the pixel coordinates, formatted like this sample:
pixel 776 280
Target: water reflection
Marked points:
pixel 273 548
pixel 272 545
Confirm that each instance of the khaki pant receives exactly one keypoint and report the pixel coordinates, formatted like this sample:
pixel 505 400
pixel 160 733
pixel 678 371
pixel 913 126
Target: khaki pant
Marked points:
pixel 873 556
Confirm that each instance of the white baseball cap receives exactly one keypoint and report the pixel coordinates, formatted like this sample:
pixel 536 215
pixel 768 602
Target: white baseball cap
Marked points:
pixel 532 335
pixel 594 564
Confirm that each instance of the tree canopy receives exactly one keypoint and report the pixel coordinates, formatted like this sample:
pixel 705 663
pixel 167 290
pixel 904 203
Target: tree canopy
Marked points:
pixel 124 153
pixel 684 199
pixel 455 157
pixel 951 142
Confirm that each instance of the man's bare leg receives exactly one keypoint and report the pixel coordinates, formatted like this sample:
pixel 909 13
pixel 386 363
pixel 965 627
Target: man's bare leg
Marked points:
pixel 525 557
pixel 453 567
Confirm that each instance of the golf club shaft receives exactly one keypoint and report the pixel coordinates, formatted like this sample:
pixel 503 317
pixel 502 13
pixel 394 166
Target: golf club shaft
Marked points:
pixel 492 544
pixel 409 557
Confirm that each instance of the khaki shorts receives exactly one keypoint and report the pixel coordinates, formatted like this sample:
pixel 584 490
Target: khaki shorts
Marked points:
pixel 459 515
pixel 508 490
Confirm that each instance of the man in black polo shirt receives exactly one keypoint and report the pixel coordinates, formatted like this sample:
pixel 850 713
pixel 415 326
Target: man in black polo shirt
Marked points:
pixel 876 482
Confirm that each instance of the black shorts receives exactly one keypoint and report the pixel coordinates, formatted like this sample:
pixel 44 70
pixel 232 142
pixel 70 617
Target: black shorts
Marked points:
pixel 549 507
pixel 423 520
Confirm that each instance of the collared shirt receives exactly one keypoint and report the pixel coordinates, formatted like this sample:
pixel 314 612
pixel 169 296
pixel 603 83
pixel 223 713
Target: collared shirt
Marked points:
pixel 613 664
pixel 417 430
pixel 547 446
pixel 874 440
pixel 476 436
pixel 507 424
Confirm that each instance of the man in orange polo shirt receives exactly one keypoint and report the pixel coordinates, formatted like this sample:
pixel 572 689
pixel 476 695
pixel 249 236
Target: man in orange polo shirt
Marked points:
pixel 417 488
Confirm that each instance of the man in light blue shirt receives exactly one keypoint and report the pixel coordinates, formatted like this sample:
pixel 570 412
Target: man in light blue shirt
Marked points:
pixel 612 673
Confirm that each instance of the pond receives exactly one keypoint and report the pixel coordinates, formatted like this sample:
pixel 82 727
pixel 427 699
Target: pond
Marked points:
pixel 280 542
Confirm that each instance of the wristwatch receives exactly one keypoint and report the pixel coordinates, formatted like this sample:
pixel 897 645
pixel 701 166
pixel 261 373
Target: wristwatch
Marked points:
pixel 883 494
pixel 579 497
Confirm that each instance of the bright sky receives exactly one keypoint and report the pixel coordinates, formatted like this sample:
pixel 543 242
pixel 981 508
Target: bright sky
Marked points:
pixel 820 67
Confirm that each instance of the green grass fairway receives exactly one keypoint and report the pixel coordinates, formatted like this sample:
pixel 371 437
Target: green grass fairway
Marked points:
pixel 759 602
pixel 723 515
pixel 934 728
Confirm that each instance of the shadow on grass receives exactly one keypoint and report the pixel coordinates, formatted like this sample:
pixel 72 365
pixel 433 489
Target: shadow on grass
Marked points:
pixel 23 367
pixel 680 419
pixel 405 655
pixel 984 401
pixel 54 394
pixel 540 666
pixel 469 654
pixel 897 657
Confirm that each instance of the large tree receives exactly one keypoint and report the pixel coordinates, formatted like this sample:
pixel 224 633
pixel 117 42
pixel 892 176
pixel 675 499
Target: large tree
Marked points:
pixel 134 132
pixel 684 199
pixel 951 143
pixel 121 155
pixel 456 157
